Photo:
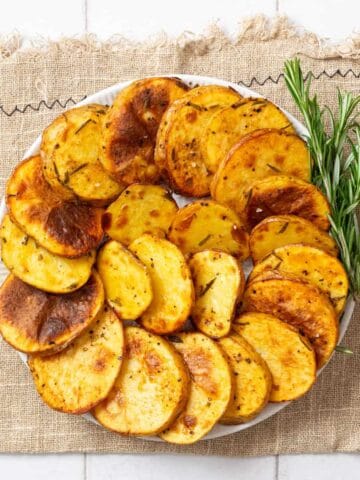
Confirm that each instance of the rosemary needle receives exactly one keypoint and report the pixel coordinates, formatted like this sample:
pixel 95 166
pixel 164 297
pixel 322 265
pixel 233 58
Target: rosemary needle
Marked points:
pixel 334 171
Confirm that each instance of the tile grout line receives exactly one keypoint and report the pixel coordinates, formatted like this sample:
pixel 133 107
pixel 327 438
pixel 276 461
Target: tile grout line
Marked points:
pixel 277 5
pixel 277 467
pixel 85 466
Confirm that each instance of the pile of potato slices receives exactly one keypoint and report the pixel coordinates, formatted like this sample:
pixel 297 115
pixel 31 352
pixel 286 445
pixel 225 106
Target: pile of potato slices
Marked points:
pixel 137 310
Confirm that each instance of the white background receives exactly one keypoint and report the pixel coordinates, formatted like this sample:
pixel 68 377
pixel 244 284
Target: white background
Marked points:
pixel 138 19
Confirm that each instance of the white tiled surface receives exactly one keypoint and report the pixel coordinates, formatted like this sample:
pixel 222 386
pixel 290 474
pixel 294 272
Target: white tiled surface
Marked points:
pixel 138 19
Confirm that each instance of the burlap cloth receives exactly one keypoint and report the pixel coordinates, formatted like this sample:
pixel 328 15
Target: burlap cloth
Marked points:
pixel 37 84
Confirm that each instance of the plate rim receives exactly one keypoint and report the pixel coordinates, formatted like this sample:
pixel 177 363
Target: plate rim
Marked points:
pixel 105 96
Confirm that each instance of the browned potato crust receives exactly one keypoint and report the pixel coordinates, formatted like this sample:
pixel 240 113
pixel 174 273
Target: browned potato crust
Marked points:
pixel 260 154
pixel 280 194
pixel 173 291
pixel 64 227
pixel 151 390
pixel 211 388
pixel 130 128
pixel 288 354
pixel 219 282
pixel 280 230
pixel 301 305
pixel 309 264
pixel 179 151
pixel 79 377
pixel 253 380
pixel 206 224
pixel 228 125
pixel 70 151
pixel 139 209
pixel 34 321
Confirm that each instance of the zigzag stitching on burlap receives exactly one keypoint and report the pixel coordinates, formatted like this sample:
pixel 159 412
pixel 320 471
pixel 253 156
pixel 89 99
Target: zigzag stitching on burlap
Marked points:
pixel 43 103
pixel 253 81
pixel 276 80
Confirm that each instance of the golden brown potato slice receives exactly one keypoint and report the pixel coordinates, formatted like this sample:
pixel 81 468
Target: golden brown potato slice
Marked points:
pixel 130 128
pixel 219 282
pixel 280 230
pixel 139 209
pixel 281 194
pixel 64 227
pixel 34 321
pixel 228 125
pixel 260 154
pixel 126 281
pixel 309 264
pixel 70 151
pixel 288 354
pixel 301 305
pixel 253 381
pixel 81 376
pixel 180 140
pixel 151 390
pixel 211 388
pixel 206 224
pixel 173 291
pixel 38 267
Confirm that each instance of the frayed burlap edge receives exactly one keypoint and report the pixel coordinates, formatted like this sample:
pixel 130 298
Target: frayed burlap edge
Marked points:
pixel 256 28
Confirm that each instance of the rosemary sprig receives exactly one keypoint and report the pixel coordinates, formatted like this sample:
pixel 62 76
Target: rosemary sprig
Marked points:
pixel 334 171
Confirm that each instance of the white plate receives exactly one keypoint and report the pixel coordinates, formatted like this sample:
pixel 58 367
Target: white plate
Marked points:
pixel 107 97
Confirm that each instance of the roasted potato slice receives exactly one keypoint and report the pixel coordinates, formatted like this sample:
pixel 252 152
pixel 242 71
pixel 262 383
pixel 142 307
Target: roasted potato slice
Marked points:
pixel 206 224
pixel 126 281
pixel 309 264
pixel 180 140
pixel 38 267
pixel 151 390
pixel 173 291
pixel 139 209
pixel 34 321
pixel 280 194
pixel 70 151
pixel 260 154
pixel 64 227
pixel 253 380
pixel 81 376
pixel 130 128
pixel 288 354
pixel 211 388
pixel 228 125
pixel 300 304
pixel 280 230
pixel 219 281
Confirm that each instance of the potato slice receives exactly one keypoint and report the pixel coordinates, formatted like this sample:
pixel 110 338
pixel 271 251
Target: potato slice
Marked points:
pixel 206 224
pixel 281 194
pixel 81 376
pixel 309 264
pixel 34 321
pixel 64 227
pixel 288 354
pixel 130 128
pixel 139 209
pixel 38 267
pixel 70 151
pixel 219 281
pixel 210 390
pixel 228 125
pixel 258 155
pixel 253 380
pixel 151 390
pixel 186 167
pixel 280 230
pixel 301 305
pixel 173 291
pixel 126 281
